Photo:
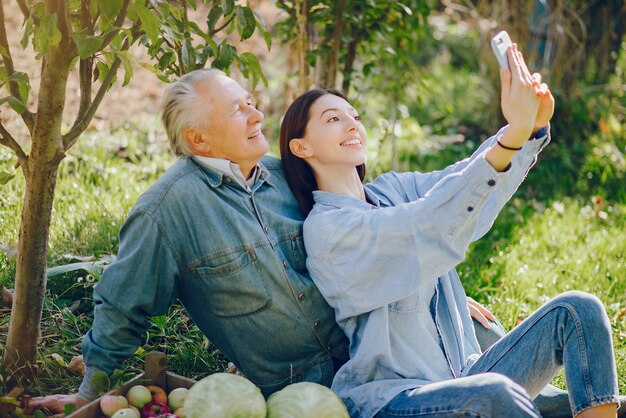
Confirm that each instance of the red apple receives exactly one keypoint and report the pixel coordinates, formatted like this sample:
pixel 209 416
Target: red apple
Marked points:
pixel 154 409
pixel 111 403
pixel 158 394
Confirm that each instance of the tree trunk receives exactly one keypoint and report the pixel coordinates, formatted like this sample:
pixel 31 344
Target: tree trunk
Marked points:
pixel 333 58
pixel 40 173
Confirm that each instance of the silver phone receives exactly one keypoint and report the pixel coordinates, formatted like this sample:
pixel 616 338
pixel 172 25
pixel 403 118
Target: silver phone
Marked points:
pixel 499 44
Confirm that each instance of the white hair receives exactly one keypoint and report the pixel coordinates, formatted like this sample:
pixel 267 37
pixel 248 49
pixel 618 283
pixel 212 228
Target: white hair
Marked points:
pixel 180 108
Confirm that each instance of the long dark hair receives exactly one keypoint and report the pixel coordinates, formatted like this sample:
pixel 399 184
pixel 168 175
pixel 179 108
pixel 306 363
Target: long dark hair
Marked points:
pixel 299 174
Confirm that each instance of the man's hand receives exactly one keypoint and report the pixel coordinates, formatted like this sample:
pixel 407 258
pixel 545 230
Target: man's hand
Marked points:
pixel 480 313
pixel 56 403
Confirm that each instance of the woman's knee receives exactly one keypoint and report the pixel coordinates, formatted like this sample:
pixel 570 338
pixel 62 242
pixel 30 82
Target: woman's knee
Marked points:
pixel 585 305
pixel 504 396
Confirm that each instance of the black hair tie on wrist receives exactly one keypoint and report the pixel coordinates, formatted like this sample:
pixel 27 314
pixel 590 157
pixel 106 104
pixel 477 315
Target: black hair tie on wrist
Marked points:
pixel 509 148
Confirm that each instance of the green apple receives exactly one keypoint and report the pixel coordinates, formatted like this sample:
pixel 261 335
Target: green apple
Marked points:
pixel 112 403
pixel 177 397
pixel 138 396
pixel 126 413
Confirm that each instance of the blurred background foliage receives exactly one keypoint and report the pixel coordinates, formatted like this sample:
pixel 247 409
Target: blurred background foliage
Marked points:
pixel 424 79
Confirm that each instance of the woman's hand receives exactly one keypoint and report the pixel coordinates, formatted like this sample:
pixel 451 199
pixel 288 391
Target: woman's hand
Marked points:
pixel 546 103
pixel 520 99
pixel 480 313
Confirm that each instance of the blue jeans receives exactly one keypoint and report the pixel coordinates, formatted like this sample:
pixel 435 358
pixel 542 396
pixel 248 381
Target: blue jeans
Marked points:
pixel 570 331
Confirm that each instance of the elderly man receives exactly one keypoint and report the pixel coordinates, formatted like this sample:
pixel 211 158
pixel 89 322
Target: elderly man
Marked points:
pixel 221 232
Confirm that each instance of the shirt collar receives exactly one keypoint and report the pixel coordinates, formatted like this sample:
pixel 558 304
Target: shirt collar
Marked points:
pixel 232 170
pixel 342 200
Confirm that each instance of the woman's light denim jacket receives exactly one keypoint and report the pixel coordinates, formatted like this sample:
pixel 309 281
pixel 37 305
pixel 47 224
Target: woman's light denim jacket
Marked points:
pixel 372 260
pixel 237 263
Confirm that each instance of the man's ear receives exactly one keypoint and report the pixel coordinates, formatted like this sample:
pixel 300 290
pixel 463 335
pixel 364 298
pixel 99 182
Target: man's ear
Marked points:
pixel 299 148
pixel 195 141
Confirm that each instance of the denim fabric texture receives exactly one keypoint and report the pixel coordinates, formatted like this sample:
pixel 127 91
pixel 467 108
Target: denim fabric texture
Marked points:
pixel 374 262
pixel 510 373
pixel 236 261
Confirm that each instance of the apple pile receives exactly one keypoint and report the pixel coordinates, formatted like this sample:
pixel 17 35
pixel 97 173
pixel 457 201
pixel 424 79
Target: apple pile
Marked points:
pixel 145 402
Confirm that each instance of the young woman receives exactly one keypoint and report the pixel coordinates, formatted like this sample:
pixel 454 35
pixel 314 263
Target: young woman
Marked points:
pixel 384 254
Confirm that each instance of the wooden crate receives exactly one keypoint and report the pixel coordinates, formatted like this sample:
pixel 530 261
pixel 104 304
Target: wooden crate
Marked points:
pixel 155 374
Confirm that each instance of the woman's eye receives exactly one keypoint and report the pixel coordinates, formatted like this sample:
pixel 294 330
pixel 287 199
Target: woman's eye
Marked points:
pixel 333 119
pixel 357 117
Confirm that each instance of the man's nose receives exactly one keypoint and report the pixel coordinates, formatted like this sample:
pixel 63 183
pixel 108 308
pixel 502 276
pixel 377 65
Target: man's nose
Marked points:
pixel 254 114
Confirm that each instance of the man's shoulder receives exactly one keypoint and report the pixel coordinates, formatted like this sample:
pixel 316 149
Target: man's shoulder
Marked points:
pixel 272 163
pixel 177 180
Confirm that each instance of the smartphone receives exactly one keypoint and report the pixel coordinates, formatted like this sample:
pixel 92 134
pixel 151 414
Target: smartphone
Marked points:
pixel 499 44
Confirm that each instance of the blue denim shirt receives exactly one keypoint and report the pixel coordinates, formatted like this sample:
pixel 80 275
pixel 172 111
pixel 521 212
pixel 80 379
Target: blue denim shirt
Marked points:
pixel 236 261
pixel 387 267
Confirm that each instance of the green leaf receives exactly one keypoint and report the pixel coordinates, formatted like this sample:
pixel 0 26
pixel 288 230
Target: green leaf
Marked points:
pixel 5 177
pixel 110 8
pixel 127 63
pixel 29 28
pixel 150 22
pixel 69 408
pixel 15 103
pixel 188 55
pixel 254 67
pixel 213 17
pixel 245 21
pixel 100 381
pixel 228 6
pixel 47 34
pixel 226 55
pixel 267 37
pixel 87 44
pixel 166 59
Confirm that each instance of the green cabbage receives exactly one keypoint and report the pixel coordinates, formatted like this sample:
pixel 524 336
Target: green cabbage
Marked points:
pixel 224 395
pixel 306 400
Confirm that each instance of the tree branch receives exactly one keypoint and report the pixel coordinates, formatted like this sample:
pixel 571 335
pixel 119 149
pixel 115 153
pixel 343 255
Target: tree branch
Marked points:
pixel 65 24
pixel 24 8
pixel 224 25
pixel 27 116
pixel 7 140
pixel 119 21
pixel 70 138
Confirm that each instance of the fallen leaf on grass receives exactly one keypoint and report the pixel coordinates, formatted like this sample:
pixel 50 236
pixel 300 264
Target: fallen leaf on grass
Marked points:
pixel 15 392
pixel 620 315
pixel 77 365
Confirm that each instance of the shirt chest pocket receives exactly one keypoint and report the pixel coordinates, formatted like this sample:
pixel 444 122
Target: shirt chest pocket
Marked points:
pixel 231 284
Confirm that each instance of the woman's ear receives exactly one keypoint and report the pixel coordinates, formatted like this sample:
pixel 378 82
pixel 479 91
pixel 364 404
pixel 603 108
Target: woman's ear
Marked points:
pixel 299 148
pixel 195 141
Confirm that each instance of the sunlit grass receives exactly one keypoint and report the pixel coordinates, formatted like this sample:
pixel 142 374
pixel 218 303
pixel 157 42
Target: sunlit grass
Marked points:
pixel 570 245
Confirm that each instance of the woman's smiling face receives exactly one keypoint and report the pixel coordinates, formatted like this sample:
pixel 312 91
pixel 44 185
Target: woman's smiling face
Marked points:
pixel 334 133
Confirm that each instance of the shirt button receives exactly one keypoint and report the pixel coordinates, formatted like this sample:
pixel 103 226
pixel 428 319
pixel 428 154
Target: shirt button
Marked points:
pixel 469 208
pixel 316 325
pixel 284 263
pixel 491 182
pixel 301 296
pixel 228 180
pixel 328 348
pixel 265 229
